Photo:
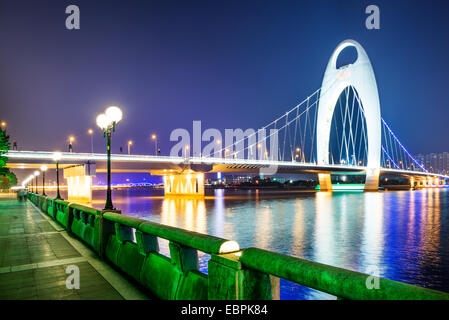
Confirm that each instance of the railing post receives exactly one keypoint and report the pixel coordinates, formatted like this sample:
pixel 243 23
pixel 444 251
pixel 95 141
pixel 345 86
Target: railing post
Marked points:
pixel 69 219
pixel 106 228
pixel 228 280
pixel 185 258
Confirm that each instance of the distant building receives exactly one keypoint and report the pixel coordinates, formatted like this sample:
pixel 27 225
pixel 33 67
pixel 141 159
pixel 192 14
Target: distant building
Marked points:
pixel 434 162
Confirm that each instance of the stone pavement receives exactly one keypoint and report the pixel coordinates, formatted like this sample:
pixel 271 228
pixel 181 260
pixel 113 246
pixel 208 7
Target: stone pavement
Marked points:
pixel 34 255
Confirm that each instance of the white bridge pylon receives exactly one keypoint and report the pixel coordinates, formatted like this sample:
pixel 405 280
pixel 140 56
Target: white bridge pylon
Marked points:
pixel 360 76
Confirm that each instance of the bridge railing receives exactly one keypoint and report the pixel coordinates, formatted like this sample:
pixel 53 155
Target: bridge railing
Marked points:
pixel 132 246
pixel 345 284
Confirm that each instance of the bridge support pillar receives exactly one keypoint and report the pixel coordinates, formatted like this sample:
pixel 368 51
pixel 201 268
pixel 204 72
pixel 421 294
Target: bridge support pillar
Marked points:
pixel 372 180
pixel 325 181
pixel 412 182
pixel 79 182
pixel 184 184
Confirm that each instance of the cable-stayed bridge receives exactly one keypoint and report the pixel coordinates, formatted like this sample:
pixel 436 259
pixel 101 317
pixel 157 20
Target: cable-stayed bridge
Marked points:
pixel 338 128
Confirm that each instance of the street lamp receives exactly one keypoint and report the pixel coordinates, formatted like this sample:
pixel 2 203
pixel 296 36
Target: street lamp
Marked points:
pixel 31 183
pixel 43 169
pixel 130 143
pixel 107 122
pixel 91 133
pixel 36 174
pixel 71 139
pixel 3 125
pixel 154 137
pixel 56 157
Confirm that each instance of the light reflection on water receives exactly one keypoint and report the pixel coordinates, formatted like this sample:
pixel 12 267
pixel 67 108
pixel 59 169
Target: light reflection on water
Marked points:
pixel 402 235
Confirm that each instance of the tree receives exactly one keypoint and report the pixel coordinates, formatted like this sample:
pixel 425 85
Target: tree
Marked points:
pixel 4 147
pixel 7 178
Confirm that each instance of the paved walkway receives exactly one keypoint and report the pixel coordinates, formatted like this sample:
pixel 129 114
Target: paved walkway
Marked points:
pixel 35 252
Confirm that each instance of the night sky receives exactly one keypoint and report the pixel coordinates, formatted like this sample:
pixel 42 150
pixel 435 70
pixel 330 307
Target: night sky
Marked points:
pixel 231 64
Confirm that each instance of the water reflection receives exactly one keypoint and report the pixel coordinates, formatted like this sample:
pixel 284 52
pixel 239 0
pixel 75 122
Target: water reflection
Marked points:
pixel 189 214
pixel 372 236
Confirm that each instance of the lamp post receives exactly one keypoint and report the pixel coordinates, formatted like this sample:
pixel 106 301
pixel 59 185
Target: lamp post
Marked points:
pixel 91 132
pixel 130 143
pixel 107 122
pixel 43 169
pixel 154 137
pixel 56 157
pixel 36 174
pixel 71 139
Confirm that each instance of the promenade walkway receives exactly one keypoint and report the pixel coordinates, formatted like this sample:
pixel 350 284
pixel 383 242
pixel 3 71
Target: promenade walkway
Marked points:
pixel 35 252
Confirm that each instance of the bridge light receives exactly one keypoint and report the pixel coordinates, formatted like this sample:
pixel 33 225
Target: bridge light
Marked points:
pixel 44 168
pixel 154 137
pixel 36 173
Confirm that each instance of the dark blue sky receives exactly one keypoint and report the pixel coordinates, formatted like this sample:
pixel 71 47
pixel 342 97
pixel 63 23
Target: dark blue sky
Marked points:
pixel 231 64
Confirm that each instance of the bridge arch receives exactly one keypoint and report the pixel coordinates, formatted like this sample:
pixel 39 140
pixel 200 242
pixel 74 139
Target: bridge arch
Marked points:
pixel 359 75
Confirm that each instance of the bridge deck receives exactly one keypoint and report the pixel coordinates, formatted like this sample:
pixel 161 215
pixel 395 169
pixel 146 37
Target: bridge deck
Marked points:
pixel 34 255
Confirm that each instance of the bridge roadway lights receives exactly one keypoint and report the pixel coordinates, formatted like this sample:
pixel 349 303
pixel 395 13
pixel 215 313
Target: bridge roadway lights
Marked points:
pixel 79 182
pixel 190 184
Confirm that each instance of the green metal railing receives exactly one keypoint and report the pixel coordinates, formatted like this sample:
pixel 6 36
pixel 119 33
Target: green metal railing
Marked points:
pixel 131 245
pixel 345 284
